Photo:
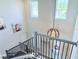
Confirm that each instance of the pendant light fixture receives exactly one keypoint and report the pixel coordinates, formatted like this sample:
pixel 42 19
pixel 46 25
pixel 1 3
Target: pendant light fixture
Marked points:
pixel 53 32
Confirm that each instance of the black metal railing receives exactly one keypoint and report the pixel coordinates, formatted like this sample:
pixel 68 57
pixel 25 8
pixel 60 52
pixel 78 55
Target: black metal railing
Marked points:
pixel 21 49
pixel 44 46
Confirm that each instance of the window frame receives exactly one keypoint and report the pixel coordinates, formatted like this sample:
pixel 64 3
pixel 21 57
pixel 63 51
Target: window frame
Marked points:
pixel 31 9
pixel 65 17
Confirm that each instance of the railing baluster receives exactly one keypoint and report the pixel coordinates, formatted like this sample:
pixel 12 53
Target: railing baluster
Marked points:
pixel 55 51
pixel 71 52
pixel 38 44
pixel 67 51
pixel 49 48
pixel 32 46
pixel 59 50
pixel 36 40
pixel 46 46
pixel 52 49
pixel 30 43
pixel 43 46
pixel 62 51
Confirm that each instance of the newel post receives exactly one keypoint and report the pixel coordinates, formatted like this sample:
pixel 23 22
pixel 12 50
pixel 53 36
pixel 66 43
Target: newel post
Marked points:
pixel 36 39
pixel 7 54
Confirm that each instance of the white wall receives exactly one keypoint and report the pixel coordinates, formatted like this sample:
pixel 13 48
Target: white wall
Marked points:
pixel 75 39
pixel 44 21
pixel 12 12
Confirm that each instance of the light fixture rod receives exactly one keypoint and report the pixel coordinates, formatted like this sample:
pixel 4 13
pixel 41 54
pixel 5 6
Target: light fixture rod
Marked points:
pixel 54 13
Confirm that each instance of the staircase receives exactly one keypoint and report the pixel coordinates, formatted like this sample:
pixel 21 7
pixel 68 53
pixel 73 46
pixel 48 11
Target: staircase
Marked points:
pixel 44 46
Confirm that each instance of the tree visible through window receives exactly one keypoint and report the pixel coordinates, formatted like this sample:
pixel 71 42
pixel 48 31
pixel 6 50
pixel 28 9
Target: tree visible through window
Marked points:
pixel 34 8
pixel 61 9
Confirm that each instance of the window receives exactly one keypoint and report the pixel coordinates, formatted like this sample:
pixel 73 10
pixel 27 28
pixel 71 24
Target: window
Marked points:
pixel 34 8
pixel 61 9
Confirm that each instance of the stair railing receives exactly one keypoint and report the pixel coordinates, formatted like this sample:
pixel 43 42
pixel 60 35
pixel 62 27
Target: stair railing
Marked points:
pixel 44 46
pixel 52 48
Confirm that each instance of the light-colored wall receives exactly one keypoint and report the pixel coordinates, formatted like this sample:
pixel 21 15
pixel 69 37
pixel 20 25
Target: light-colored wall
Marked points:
pixel 75 39
pixel 44 21
pixel 12 12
